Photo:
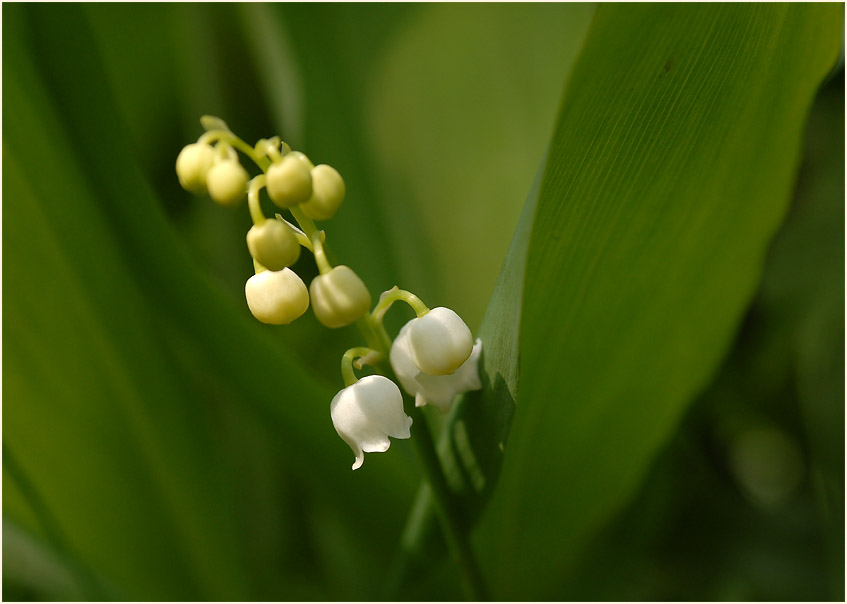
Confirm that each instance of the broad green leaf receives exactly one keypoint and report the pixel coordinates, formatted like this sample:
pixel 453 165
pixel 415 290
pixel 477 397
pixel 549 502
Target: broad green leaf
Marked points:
pixel 459 112
pixel 668 174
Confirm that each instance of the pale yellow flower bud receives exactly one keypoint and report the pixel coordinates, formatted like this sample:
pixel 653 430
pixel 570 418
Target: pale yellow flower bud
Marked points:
pixel 192 166
pixel 339 297
pixel 328 192
pixel 273 245
pixel 289 181
pixel 276 297
pixel 227 182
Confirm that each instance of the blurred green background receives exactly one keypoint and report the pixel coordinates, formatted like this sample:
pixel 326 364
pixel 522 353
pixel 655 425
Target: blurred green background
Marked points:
pixel 159 443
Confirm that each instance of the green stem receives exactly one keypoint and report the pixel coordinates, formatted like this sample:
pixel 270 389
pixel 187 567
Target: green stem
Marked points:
pixel 396 294
pixel 377 333
pixel 273 153
pixel 253 203
pixel 347 363
pixel 371 336
pixel 306 223
pixel 228 137
pixel 447 510
pixel 320 256
pixel 316 239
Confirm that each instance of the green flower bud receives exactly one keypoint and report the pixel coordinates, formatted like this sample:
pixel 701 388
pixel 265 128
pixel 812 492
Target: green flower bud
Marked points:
pixel 327 193
pixel 192 166
pixel 339 297
pixel 276 297
pixel 289 181
pixel 273 245
pixel 227 182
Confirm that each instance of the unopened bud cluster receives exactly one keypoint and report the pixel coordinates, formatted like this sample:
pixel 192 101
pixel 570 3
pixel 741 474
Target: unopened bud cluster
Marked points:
pixel 276 294
pixel 202 169
pixel 434 355
pixel 294 180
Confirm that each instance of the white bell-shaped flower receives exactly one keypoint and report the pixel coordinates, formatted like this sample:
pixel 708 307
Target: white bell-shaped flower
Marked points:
pixel 438 390
pixel 367 413
pixel 439 341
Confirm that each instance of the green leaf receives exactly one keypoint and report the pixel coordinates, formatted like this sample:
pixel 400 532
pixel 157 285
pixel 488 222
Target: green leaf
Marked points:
pixel 668 174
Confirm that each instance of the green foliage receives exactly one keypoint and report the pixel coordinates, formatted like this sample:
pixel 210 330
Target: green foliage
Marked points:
pixel 667 177
pixel 159 443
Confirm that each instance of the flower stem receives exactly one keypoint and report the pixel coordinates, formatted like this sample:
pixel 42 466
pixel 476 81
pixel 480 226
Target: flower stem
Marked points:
pixel 348 362
pixel 228 137
pixel 448 512
pixel 306 223
pixel 393 295
pixel 320 256
pixel 253 199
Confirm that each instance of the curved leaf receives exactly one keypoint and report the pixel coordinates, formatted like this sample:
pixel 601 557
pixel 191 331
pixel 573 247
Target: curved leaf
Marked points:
pixel 669 173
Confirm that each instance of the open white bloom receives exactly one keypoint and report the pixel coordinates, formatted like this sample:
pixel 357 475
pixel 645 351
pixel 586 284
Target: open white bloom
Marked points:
pixel 438 390
pixel 367 413
pixel 439 341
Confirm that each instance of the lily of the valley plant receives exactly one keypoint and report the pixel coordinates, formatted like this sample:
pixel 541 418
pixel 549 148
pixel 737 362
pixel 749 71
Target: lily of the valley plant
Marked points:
pixel 434 356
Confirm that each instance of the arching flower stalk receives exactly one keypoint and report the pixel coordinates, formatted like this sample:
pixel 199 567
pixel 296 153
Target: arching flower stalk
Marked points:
pixel 434 356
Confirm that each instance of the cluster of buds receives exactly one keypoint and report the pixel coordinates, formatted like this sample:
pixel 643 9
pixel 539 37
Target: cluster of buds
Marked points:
pixel 276 294
pixel 434 356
